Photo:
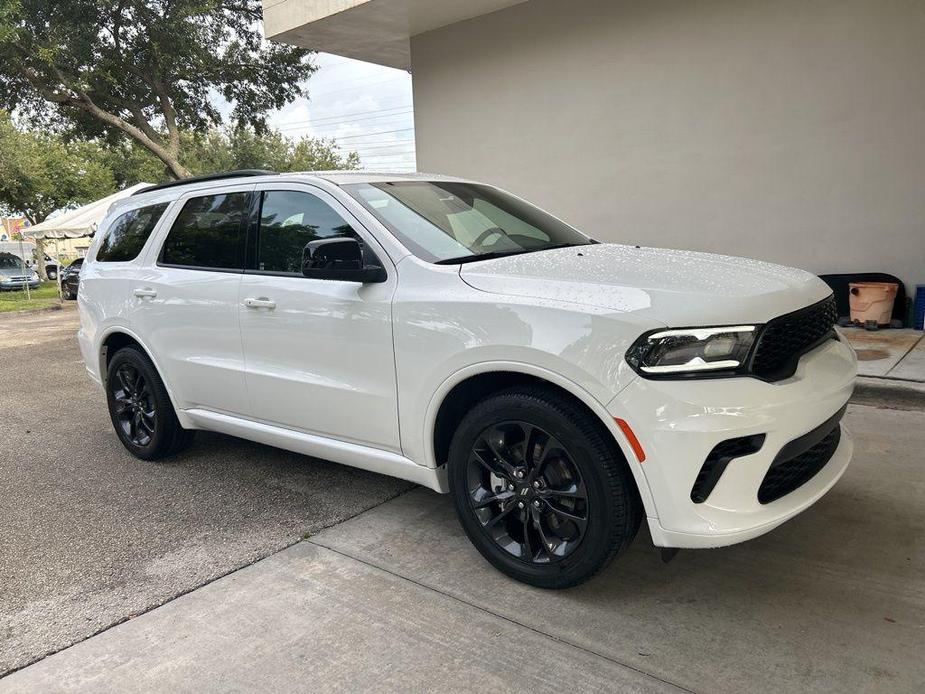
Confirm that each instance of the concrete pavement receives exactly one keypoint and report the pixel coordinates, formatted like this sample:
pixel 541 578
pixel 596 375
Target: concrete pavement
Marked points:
pixel 396 599
pixel 888 353
pixel 90 536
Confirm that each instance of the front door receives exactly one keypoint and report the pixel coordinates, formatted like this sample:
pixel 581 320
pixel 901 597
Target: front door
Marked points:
pixel 318 353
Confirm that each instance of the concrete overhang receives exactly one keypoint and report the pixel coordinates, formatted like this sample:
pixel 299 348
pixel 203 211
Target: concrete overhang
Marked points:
pixel 378 31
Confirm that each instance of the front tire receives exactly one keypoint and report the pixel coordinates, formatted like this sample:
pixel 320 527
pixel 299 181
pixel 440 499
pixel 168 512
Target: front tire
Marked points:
pixel 541 488
pixel 140 409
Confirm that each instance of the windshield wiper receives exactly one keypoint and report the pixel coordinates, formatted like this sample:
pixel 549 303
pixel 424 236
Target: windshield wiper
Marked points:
pixel 480 256
pixel 503 254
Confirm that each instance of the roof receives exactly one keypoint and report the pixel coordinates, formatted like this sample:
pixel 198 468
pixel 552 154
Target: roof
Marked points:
pixel 338 178
pixel 219 176
pixel 346 177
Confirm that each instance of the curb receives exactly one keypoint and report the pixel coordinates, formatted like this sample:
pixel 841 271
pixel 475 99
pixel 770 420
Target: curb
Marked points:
pixel 890 394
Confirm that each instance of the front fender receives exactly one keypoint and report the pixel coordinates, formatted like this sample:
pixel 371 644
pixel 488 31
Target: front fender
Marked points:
pixel 529 369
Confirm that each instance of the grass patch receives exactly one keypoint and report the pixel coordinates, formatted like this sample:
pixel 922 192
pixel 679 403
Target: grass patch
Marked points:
pixel 46 295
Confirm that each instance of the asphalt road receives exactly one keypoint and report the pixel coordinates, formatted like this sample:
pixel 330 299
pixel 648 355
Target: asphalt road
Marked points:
pixel 90 536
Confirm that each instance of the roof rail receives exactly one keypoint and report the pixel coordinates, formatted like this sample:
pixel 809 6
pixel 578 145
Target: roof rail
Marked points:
pixel 240 173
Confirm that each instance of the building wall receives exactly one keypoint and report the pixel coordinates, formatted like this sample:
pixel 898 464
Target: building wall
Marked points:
pixel 787 130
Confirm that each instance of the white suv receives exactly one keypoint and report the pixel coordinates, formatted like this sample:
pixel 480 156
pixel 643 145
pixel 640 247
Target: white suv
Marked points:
pixel 451 334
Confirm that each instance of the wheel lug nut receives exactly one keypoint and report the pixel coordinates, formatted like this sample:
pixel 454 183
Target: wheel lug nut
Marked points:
pixel 536 503
pixel 510 487
pixel 536 484
pixel 519 474
pixel 520 504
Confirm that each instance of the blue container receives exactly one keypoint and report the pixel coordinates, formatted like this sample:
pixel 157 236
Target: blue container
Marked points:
pixel 918 313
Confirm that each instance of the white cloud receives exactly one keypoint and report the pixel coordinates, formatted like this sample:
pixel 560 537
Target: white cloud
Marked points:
pixel 366 108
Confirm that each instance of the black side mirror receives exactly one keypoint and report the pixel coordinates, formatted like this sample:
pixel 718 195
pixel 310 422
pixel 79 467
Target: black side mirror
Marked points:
pixel 339 259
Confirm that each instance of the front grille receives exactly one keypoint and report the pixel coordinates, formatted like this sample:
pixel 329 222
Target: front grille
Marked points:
pixel 785 339
pixel 800 460
pixel 715 464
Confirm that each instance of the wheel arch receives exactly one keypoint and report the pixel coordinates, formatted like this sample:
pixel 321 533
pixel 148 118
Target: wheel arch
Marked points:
pixel 461 390
pixel 115 338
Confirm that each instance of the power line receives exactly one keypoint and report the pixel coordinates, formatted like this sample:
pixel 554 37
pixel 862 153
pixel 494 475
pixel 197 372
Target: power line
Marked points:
pixel 346 127
pixel 378 132
pixel 358 85
pixel 373 145
pixel 387 156
pixel 349 114
pixel 337 120
pixel 397 153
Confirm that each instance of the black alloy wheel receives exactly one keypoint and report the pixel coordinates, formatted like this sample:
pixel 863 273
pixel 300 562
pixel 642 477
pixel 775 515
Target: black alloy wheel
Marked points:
pixel 527 492
pixel 135 407
pixel 140 408
pixel 541 487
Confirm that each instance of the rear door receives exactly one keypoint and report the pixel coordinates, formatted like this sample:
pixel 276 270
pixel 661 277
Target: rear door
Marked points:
pixel 319 352
pixel 186 300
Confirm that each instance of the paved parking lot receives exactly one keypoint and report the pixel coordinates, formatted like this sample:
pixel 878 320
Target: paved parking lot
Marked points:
pixel 91 536
pixel 396 599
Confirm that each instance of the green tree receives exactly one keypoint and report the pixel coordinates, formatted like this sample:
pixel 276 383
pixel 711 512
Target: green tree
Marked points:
pixel 228 149
pixel 41 173
pixel 143 68
pixel 244 148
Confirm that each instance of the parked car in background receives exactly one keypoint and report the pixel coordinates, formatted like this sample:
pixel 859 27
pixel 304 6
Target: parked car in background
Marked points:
pixel 51 267
pixel 70 279
pixel 449 333
pixel 15 274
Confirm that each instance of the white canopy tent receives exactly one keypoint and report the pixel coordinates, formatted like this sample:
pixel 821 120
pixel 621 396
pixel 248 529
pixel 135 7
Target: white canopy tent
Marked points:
pixel 78 223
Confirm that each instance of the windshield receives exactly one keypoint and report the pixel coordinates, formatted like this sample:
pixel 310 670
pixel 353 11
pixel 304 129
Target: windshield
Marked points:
pixel 8 261
pixel 460 222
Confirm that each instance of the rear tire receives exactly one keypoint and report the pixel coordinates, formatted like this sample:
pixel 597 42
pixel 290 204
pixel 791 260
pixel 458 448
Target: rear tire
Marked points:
pixel 140 409
pixel 541 488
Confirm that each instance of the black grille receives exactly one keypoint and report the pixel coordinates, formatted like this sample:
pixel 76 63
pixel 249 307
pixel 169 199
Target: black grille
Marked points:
pixel 800 460
pixel 785 339
pixel 715 464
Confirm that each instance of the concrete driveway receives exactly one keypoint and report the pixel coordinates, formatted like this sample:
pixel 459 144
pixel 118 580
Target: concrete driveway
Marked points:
pixel 396 599
pixel 92 536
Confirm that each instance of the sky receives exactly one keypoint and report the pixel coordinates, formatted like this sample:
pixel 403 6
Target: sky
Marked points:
pixel 366 108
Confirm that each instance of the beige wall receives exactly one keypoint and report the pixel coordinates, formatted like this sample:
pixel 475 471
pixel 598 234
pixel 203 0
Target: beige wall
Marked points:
pixel 788 130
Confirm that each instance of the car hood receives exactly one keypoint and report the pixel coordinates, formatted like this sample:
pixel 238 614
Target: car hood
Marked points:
pixel 15 272
pixel 674 288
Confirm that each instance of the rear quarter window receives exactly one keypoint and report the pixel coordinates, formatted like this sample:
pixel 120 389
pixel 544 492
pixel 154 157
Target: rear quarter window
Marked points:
pixel 128 234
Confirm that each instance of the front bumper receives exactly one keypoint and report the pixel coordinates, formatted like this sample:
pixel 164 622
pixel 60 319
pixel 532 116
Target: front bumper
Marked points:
pixel 678 423
pixel 13 286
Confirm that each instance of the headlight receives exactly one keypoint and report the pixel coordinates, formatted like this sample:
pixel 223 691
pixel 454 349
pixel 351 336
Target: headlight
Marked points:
pixel 691 351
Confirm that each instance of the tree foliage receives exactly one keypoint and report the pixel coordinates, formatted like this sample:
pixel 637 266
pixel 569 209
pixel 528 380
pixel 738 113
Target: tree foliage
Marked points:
pixel 148 69
pixel 226 150
pixel 243 148
pixel 42 172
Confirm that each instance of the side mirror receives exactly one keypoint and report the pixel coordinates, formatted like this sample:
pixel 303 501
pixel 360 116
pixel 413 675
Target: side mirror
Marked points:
pixel 338 259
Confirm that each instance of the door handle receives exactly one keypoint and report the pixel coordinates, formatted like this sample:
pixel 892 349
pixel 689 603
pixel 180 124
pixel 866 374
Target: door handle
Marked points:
pixel 145 292
pixel 261 302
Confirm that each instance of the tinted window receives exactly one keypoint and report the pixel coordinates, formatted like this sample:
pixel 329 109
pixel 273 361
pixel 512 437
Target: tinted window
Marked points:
pixel 288 221
pixel 128 233
pixel 8 261
pixel 208 233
